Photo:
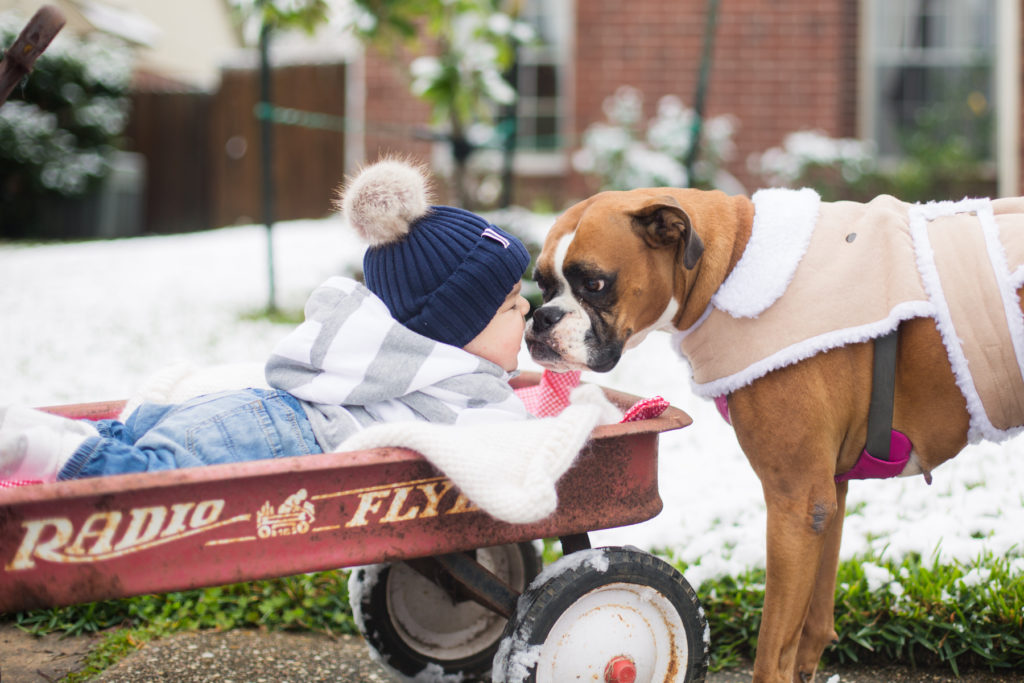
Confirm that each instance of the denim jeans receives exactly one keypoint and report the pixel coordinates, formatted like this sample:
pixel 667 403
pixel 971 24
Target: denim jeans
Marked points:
pixel 252 424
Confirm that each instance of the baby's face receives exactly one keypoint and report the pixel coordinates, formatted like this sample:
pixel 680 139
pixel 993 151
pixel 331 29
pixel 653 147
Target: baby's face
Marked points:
pixel 499 342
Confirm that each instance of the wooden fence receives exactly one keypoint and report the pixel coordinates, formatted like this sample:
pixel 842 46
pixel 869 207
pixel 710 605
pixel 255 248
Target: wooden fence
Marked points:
pixel 203 151
pixel 171 131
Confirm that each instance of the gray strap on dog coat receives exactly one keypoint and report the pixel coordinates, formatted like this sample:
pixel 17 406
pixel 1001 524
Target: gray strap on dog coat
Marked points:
pixel 883 391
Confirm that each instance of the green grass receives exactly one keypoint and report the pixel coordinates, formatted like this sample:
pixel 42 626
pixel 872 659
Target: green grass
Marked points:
pixel 960 616
pixel 114 647
pixel 926 614
pixel 278 316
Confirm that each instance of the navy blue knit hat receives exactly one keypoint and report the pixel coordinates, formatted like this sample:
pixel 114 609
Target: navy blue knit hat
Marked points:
pixel 442 271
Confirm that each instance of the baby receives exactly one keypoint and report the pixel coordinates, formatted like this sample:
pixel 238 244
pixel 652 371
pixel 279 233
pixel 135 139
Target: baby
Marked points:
pixel 432 336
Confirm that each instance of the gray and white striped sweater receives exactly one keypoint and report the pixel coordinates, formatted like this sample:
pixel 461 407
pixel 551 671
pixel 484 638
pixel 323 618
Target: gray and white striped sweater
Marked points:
pixel 352 365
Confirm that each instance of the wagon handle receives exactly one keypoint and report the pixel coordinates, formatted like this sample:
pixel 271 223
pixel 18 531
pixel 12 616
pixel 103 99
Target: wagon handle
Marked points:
pixel 22 55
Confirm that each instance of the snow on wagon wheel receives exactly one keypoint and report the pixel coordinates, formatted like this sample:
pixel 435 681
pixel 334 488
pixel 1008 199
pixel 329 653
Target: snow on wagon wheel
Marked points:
pixel 413 624
pixel 609 614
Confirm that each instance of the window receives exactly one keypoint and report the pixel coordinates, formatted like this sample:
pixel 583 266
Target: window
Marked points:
pixel 539 77
pixel 932 72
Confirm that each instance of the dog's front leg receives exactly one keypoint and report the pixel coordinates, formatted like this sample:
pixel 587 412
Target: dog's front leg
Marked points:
pixel 819 628
pixel 796 538
pixel 787 439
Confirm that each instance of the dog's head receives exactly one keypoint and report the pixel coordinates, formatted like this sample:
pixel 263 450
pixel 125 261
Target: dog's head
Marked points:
pixel 610 271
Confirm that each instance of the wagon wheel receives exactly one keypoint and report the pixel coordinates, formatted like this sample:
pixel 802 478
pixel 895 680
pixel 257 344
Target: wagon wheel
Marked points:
pixel 607 614
pixel 412 623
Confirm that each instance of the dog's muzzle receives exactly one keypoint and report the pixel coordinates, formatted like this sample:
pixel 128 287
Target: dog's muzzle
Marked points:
pixel 545 318
pixel 563 348
pixel 539 336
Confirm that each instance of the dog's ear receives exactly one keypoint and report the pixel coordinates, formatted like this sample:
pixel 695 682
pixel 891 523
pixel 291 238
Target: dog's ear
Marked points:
pixel 662 222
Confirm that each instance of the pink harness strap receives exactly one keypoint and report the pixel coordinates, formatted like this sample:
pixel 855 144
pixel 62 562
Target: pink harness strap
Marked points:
pixel 722 403
pixel 870 467
pixel 867 466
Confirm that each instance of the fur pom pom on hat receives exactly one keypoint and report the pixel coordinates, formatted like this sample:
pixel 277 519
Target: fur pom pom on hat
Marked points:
pixel 442 271
pixel 384 199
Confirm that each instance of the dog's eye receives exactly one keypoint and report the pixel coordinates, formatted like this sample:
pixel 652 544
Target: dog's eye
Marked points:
pixel 594 285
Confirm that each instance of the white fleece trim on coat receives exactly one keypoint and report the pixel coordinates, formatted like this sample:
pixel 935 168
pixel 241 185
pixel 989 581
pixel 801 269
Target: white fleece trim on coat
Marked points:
pixel 1007 283
pixel 810 347
pixel 784 220
pixel 980 426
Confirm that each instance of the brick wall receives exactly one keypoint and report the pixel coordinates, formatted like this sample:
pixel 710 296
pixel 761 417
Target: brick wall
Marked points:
pixel 392 115
pixel 777 67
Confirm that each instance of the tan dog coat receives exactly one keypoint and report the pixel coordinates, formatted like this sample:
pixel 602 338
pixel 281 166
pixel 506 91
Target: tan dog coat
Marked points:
pixel 818 275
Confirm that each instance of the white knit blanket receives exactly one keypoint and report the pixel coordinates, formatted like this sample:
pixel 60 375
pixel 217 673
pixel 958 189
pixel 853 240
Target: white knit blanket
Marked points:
pixel 509 470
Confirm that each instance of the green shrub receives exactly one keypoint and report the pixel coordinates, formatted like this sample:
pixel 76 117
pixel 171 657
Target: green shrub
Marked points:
pixel 626 151
pixel 934 167
pixel 61 126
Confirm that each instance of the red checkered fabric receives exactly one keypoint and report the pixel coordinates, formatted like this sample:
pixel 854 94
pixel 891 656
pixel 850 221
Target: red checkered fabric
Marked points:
pixel 646 409
pixel 551 396
pixel 12 483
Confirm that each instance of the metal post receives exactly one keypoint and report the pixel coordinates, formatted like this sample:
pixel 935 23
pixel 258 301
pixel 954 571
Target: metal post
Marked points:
pixel 509 125
pixel 267 146
pixel 702 86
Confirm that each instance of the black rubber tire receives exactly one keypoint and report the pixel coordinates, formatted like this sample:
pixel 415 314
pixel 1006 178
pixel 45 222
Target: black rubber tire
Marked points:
pixel 585 574
pixel 398 645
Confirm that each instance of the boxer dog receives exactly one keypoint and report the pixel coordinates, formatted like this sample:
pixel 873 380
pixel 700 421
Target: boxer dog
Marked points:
pixel 700 265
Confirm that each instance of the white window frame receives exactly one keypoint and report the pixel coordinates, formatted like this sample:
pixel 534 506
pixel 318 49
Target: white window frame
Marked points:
pixel 1008 103
pixel 1005 82
pixel 527 162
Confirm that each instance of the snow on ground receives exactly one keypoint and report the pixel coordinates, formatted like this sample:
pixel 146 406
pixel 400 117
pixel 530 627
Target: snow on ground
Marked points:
pixel 90 321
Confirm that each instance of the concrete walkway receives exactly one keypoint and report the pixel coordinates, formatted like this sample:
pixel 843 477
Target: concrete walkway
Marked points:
pixel 249 656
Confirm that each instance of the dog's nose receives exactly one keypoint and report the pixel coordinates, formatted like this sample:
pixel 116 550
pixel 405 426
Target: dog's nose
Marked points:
pixel 545 317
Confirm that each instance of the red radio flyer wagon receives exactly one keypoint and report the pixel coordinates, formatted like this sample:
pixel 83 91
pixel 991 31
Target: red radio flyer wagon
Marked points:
pixel 440 589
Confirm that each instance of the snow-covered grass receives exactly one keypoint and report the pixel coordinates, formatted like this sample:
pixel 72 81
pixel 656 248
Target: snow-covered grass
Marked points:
pixel 91 321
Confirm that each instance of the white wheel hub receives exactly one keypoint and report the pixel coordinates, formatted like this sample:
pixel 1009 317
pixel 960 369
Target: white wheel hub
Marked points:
pixel 611 624
pixel 427 620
